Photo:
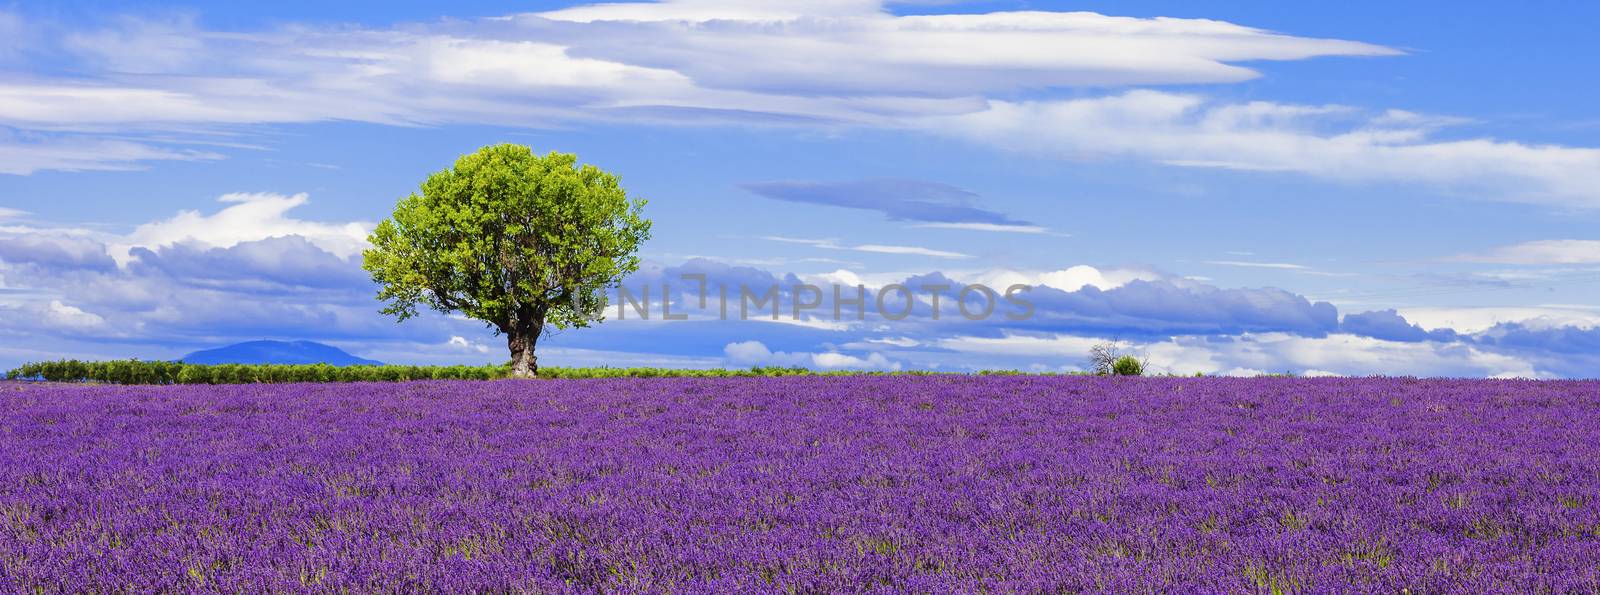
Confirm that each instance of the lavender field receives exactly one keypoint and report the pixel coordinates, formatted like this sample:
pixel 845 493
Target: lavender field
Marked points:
pixel 805 484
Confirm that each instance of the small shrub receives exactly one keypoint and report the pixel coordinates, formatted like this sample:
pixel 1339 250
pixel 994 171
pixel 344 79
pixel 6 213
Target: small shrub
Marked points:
pixel 1127 365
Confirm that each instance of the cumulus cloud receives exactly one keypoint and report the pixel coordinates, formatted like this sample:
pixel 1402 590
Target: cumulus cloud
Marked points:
pixel 465 344
pixel 279 260
pixel 185 285
pixel 249 217
pixel 197 280
pixel 1562 340
pixel 254 238
pixel 55 252
pixel 72 317
pixel 754 353
pixel 1479 319
pixel 1071 278
pixel 1389 325
pixel 1252 354
pixel 1555 341
pixel 1080 299
pixel 176 299
pixel 1174 307
pixel 185 295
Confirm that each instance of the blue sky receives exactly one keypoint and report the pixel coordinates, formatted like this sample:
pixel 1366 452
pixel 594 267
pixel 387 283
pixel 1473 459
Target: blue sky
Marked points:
pixel 1193 179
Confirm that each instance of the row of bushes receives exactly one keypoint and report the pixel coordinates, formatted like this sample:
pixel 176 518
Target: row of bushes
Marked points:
pixel 160 372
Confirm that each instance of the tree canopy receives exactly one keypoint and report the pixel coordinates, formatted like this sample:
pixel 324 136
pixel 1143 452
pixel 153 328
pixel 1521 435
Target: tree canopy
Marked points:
pixel 520 241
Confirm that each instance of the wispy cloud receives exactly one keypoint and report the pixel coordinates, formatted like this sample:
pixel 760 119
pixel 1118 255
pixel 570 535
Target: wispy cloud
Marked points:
pixel 916 250
pixel 1541 252
pixel 1336 143
pixel 872 248
pixel 995 227
pixel 24 154
pixel 901 200
pixel 838 63
pixel 828 62
pixel 1259 265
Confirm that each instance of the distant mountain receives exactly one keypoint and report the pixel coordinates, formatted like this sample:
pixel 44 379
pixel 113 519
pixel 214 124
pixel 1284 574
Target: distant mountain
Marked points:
pixel 277 352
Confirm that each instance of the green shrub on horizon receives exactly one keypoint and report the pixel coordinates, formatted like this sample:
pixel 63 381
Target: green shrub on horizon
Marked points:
pixel 1127 365
pixel 135 371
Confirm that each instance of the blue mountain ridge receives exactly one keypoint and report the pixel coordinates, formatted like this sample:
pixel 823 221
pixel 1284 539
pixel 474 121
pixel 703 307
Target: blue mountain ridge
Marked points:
pixel 277 352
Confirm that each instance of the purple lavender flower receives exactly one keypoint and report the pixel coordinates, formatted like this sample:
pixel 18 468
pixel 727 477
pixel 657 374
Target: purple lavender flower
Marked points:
pixel 810 484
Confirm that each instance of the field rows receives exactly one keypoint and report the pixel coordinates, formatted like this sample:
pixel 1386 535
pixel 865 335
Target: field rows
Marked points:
pixel 921 483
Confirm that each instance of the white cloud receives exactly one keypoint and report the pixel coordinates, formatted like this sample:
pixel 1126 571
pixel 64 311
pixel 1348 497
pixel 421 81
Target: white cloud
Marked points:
pixel 825 61
pixel 248 217
pixel 912 250
pixel 853 47
pixel 1542 252
pixel 1024 345
pixel 1338 353
pixel 838 361
pixel 870 248
pixel 72 317
pixel 1330 142
pixel 463 344
pixel 1251 354
pixel 755 353
pixel 20 156
pixel 896 341
pixel 808 320
pixel 840 277
pixel 690 11
pixel 1071 278
pixel 1477 320
pixel 6 213
pixel 527 69
pixel 1258 265
pixel 995 227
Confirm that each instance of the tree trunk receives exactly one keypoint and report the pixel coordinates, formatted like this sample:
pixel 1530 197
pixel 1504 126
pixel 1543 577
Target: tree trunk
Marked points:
pixel 523 363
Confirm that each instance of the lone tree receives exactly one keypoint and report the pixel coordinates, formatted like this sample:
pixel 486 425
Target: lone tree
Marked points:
pixel 1106 360
pixel 522 242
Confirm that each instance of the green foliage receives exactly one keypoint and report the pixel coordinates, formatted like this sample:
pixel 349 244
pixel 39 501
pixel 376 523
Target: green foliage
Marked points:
pixel 142 372
pixel 1127 365
pixel 510 238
